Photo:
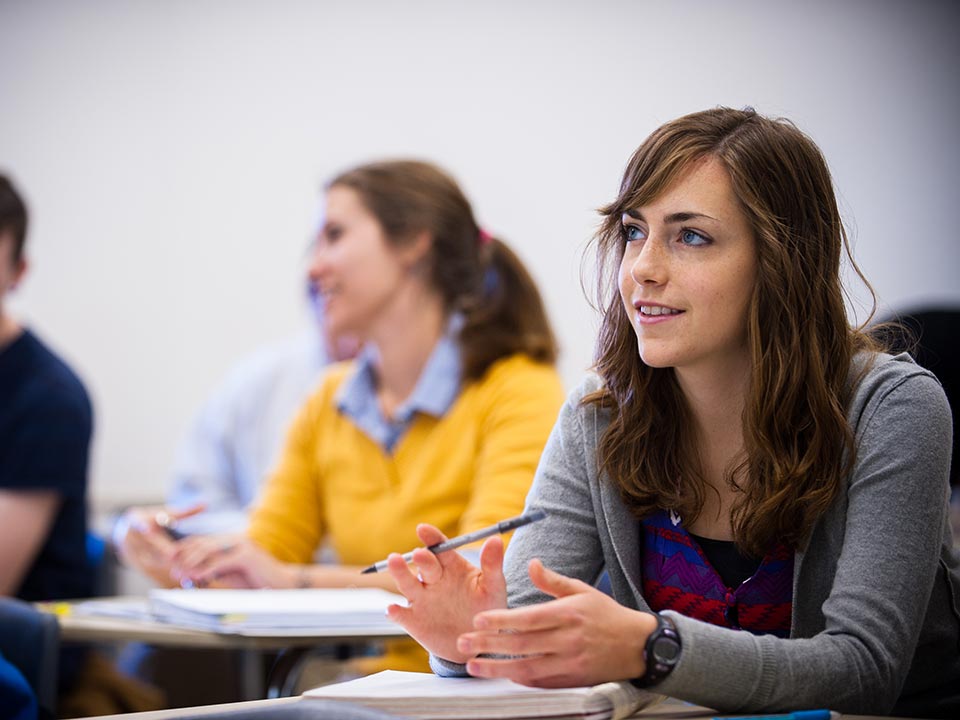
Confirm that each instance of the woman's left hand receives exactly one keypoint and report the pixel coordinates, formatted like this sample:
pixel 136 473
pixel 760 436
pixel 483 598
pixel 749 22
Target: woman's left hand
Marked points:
pixel 227 561
pixel 583 637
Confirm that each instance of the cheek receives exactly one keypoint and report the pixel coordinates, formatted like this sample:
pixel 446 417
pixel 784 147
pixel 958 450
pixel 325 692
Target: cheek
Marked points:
pixel 626 284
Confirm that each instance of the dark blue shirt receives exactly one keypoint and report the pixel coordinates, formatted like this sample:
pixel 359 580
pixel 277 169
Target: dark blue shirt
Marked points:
pixel 45 427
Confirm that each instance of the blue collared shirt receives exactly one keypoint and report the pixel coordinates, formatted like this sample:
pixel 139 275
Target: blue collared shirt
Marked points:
pixel 437 388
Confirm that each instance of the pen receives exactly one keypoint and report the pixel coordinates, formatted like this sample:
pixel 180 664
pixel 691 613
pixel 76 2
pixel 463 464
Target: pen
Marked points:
pixel 795 715
pixel 504 526
pixel 168 525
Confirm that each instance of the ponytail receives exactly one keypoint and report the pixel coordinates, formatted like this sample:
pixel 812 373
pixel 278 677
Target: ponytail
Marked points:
pixel 506 317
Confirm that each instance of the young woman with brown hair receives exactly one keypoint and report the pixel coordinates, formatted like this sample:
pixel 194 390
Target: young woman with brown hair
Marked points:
pixel 765 488
pixel 444 413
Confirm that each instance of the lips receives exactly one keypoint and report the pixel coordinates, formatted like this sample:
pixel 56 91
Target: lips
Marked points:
pixel 653 310
pixel 658 310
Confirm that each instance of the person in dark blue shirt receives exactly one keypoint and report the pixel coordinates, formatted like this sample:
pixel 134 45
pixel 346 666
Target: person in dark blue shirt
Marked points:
pixel 46 422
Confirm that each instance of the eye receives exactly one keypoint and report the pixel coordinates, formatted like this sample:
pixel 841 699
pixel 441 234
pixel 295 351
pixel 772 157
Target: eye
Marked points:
pixel 633 232
pixel 693 238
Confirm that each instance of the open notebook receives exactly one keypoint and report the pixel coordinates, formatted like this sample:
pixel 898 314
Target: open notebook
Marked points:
pixel 271 610
pixel 427 696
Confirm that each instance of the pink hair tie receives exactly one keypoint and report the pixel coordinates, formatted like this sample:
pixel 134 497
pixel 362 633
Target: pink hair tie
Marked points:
pixel 485 237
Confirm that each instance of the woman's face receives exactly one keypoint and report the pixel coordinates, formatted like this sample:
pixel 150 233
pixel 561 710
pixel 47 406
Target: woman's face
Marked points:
pixel 688 273
pixel 354 269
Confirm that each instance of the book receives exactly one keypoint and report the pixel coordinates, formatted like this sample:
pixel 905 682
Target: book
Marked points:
pixel 269 611
pixel 429 697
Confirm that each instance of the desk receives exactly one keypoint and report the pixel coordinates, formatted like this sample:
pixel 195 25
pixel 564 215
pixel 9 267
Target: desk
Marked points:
pixel 288 707
pixel 291 644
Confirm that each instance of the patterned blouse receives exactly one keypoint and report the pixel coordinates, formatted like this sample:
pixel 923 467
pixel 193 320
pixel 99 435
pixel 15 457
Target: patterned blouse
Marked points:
pixel 678 576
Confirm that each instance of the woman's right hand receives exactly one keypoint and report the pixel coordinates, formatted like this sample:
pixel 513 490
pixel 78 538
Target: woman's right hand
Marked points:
pixel 445 591
pixel 143 540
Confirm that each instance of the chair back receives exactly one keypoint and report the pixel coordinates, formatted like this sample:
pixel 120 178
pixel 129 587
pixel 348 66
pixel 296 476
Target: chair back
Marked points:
pixel 30 641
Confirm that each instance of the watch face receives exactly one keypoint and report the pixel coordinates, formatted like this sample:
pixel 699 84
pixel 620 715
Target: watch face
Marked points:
pixel 665 650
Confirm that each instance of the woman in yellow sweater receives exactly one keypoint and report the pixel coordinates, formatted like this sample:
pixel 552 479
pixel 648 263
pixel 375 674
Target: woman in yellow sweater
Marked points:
pixel 442 417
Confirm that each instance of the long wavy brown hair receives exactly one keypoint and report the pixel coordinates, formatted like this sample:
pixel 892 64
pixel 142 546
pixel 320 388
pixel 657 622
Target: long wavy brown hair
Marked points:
pixel 798 445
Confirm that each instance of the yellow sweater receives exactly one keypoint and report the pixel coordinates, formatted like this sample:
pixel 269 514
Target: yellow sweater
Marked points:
pixel 463 471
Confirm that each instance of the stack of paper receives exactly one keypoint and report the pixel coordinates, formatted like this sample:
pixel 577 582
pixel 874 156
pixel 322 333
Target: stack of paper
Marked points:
pixel 423 695
pixel 249 611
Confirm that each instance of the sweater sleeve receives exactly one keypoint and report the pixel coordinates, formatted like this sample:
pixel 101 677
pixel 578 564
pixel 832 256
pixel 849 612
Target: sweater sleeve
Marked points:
pixel 521 401
pixel 567 540
pixel 893 520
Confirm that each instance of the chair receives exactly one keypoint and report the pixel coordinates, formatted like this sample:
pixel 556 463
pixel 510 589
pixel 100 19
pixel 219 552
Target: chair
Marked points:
pixel 30 641
pixel 934 341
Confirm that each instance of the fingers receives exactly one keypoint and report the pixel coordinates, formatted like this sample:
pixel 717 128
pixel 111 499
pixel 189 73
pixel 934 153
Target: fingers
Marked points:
pixel 147 550
pixel 561 613
pixel 535 671
pixel 491 556
pixel 143 519
pixel 429 567
pixel 187 512
pixel 400 614
pixel 553 583
pixel 539 642
pixel 218 564
pixel 193 551
pixel 429 535
pixel 531 618
pixel 194 557
pixel 491 564
pixel 407 583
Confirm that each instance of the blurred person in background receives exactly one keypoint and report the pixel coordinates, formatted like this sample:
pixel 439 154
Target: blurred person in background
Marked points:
pixel 231 446
pixel 442 416
pixel 46 422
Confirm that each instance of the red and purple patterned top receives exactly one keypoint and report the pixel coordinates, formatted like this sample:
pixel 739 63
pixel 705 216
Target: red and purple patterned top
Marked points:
pixel 678 576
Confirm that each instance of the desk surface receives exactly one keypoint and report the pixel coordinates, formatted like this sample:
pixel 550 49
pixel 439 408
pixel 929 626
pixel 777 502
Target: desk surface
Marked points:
pixel 669 710
pixel 101 628
pixel 292 644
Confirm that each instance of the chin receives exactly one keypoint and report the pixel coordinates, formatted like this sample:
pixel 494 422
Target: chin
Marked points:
pixel 654 359
pixel 659 365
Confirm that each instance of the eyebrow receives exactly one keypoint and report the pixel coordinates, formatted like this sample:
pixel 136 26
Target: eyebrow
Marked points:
pixel 672 218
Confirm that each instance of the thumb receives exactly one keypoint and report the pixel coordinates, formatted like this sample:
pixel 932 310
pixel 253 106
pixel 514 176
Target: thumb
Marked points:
pixel 553 583
pixel 491 557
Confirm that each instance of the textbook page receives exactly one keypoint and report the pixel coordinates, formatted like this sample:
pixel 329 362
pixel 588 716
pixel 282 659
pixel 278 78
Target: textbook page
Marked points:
pixel 429 697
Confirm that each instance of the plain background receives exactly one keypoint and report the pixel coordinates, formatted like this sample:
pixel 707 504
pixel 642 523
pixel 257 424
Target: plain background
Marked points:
pixel 173 154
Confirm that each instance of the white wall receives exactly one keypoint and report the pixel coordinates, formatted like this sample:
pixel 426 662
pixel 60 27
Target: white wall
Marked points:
pixel 172 153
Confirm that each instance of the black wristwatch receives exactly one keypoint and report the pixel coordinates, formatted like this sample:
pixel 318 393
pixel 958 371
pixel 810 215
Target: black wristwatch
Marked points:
pixel 661 653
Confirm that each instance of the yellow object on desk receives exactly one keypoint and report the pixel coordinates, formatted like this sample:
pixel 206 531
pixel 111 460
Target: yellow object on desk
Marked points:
pixel 60 609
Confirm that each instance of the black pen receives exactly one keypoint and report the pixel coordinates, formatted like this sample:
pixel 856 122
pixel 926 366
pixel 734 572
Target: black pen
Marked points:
pixel 504 526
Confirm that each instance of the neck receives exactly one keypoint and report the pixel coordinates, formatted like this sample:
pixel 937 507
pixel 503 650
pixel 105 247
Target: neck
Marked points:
pixel 10 329
pixel 405 337
pixel 716 397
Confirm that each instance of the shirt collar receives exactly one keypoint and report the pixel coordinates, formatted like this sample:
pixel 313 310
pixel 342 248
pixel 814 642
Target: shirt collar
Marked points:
pixel 436 389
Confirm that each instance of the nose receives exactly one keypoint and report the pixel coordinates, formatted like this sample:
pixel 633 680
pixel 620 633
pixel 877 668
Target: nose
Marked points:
pixel 650 265
pixel 317 260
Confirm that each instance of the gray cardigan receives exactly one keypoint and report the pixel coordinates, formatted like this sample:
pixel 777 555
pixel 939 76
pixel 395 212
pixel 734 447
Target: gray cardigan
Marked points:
pixel 876 591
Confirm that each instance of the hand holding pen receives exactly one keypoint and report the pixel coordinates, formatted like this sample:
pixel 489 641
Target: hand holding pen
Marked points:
pixel 445 591
pixel 145 538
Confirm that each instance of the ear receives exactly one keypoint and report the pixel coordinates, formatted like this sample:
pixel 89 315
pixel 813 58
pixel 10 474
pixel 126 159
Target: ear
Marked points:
pixel 19 270
pixel 416 250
